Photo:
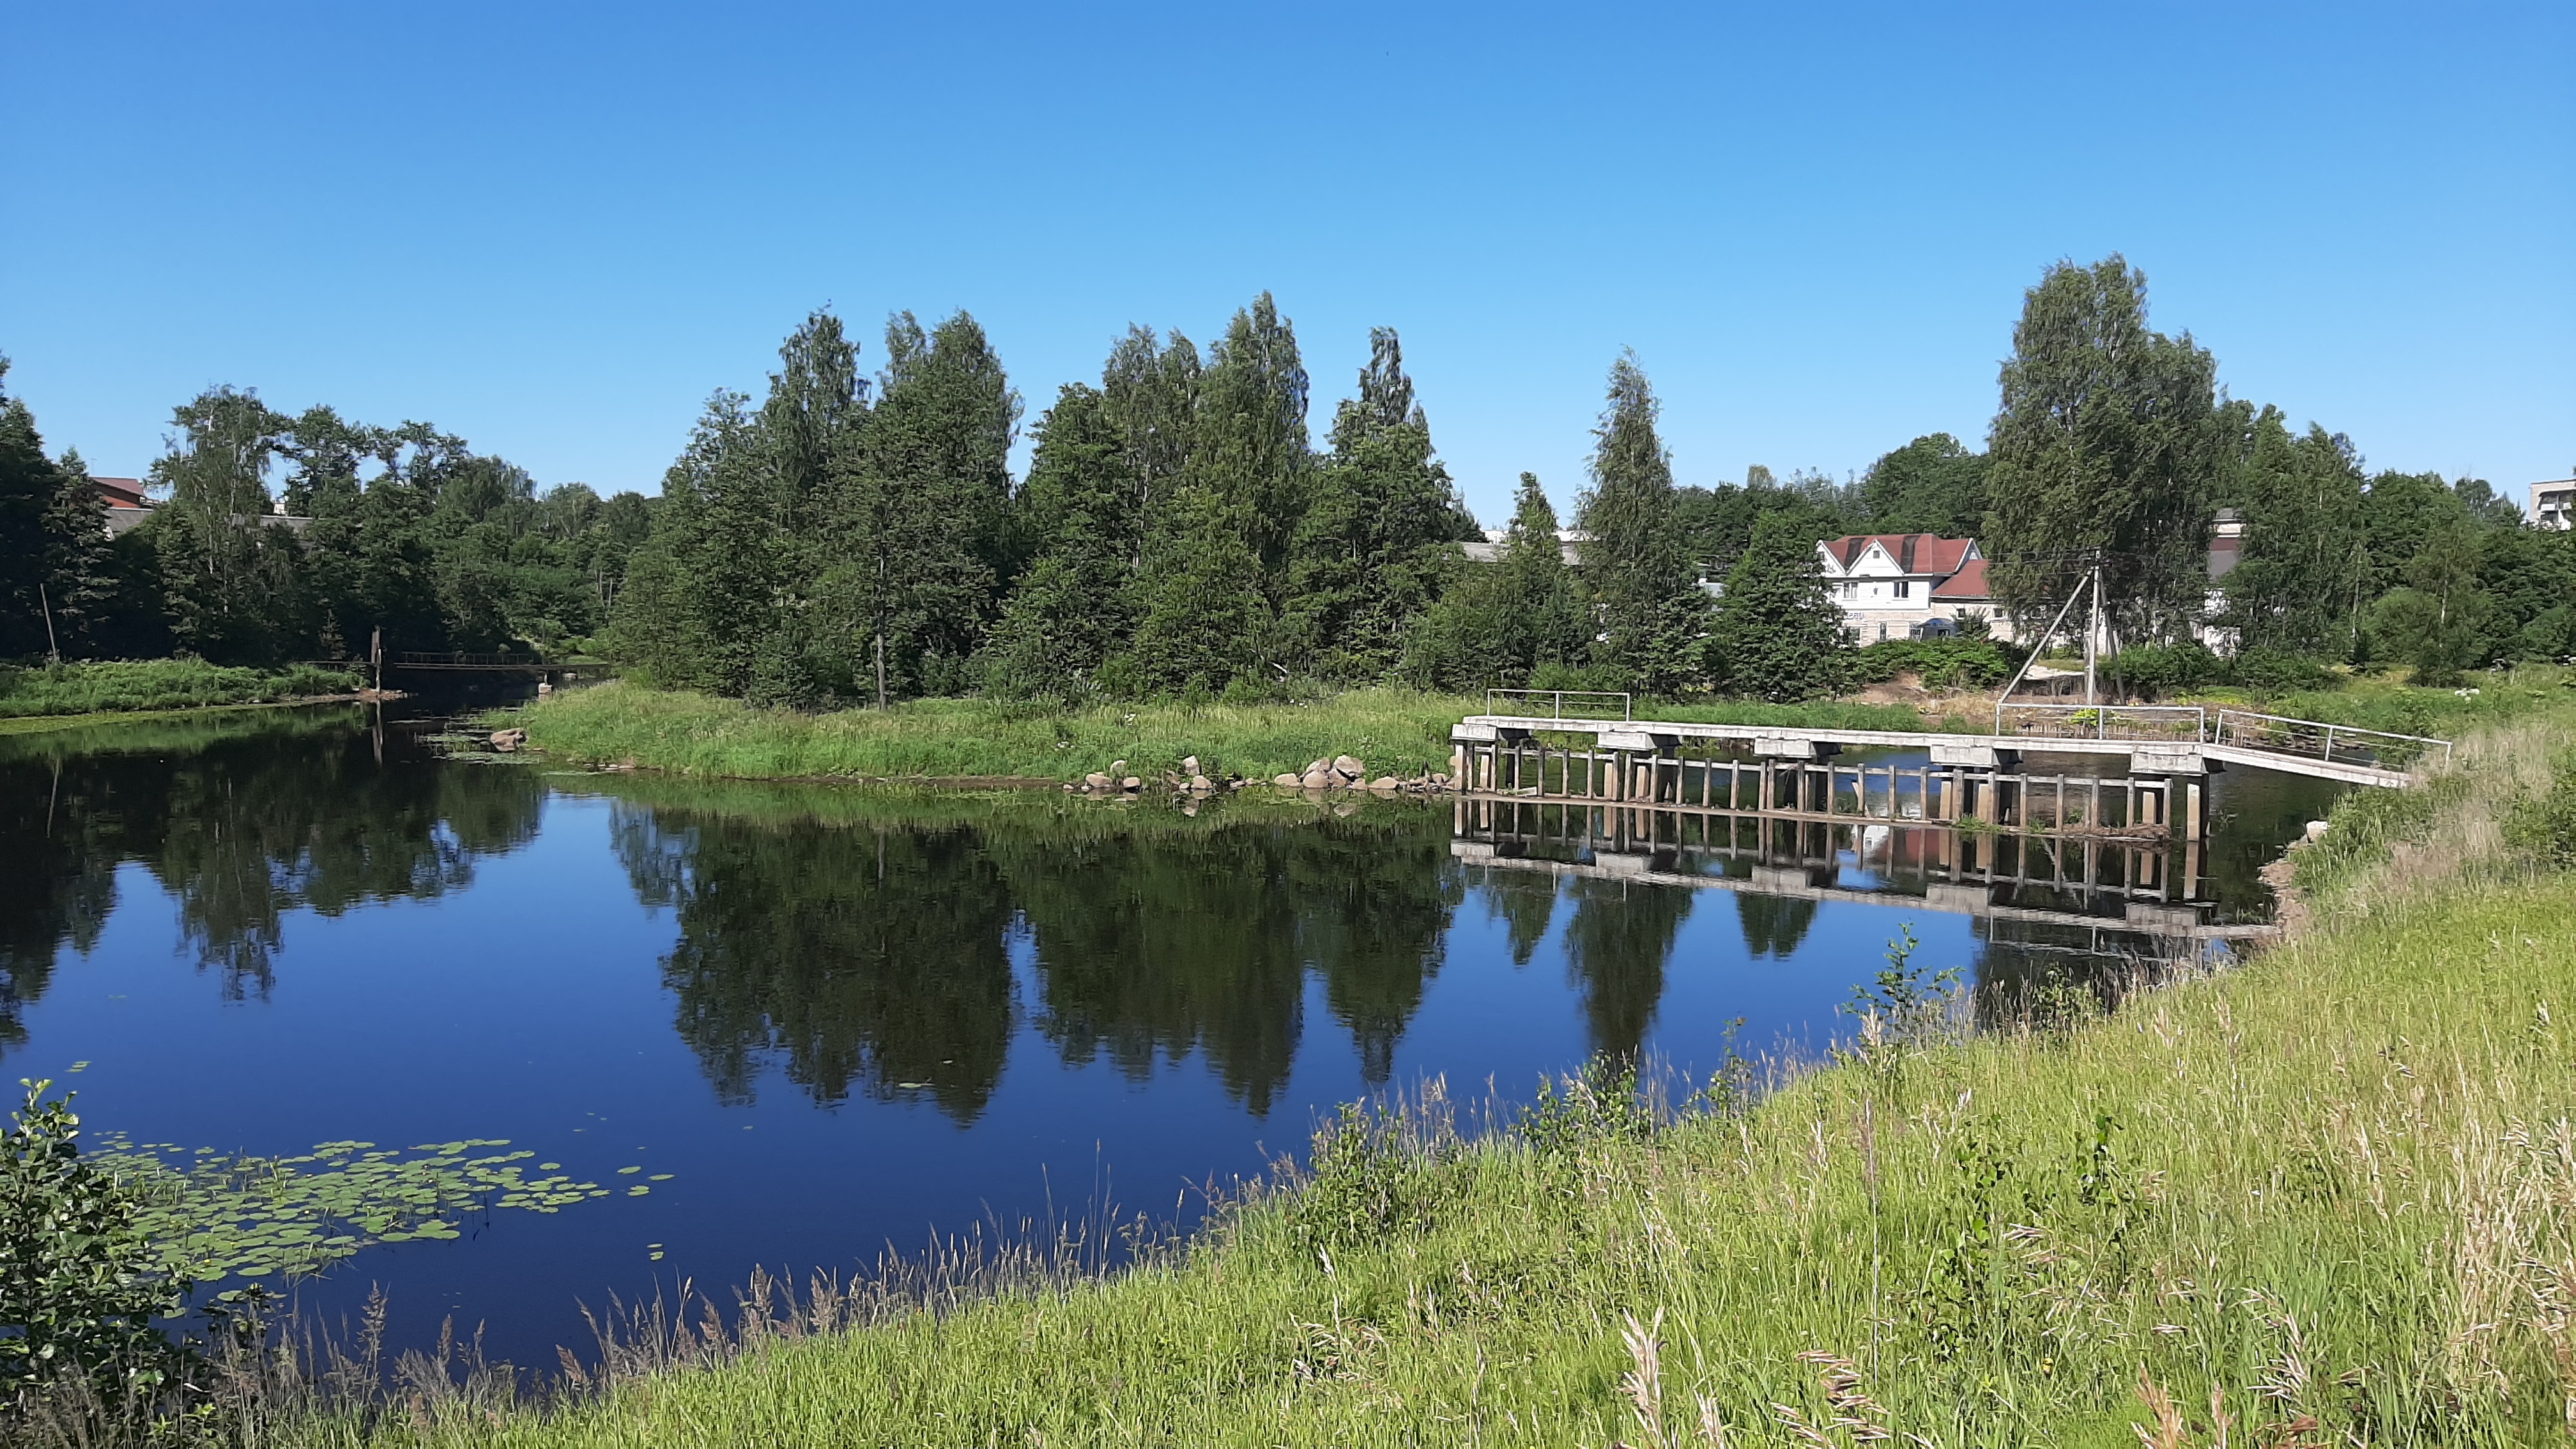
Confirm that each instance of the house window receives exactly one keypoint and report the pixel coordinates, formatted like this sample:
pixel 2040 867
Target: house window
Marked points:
pixel 1905 588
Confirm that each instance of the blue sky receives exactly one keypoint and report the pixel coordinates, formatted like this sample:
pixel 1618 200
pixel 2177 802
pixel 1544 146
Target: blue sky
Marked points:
pixel 556 229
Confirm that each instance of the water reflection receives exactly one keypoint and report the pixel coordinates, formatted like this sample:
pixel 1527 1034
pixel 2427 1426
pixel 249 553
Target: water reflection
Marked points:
pixel 240 821
pixel 875 956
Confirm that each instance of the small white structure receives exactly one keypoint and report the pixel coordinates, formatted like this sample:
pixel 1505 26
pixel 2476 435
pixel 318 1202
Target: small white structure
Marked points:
pixel 2553 504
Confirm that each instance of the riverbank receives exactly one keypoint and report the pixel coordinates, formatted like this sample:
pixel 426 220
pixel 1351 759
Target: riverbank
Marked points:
pixel 1400 732
pixel 2335 1189
pixel 33 697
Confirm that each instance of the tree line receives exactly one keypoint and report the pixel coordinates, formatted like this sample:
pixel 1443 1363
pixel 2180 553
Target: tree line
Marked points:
pixel 848 538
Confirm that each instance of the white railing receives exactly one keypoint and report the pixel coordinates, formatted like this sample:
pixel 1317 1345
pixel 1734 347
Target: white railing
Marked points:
pixel 1555 700
pixel 2104 721
pixel 2282 735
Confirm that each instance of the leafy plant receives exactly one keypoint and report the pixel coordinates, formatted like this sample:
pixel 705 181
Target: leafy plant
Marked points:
pixel 81 1279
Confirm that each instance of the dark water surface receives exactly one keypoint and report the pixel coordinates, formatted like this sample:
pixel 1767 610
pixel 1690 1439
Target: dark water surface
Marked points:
pixel 845 1020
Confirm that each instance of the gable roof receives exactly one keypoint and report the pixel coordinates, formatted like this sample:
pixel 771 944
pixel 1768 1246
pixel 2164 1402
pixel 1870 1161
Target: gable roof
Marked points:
pixel 121 492
pixel 1968 583
pixel 1915 553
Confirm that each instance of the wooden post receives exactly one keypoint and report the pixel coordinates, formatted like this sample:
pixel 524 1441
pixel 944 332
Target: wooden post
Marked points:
pixel 2192 820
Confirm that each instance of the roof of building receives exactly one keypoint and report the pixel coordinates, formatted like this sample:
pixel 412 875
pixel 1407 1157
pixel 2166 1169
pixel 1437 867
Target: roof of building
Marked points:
pixel 122 492
pixel 1968 583
pixel 1915 553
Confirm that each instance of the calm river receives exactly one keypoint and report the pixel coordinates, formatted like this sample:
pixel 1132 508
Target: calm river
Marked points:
pixel 842 1021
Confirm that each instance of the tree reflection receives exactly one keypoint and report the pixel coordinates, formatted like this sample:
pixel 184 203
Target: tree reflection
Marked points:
pixel 1616 947
pixel 1773 925
pixel 1525 902
pixel 859 959
pixel 241 825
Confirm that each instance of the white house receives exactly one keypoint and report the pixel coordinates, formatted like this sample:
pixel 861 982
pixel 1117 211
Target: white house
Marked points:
pixel 2553 504
pixel 1904 585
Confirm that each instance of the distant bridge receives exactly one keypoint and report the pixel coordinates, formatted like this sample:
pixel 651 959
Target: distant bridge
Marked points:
pixel 490 663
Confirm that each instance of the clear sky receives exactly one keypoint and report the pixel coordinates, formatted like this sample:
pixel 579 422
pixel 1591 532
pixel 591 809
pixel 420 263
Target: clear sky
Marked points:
pixel 555 229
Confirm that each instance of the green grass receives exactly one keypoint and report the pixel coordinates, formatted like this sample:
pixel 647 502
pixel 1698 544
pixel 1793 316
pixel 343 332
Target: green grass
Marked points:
pixel 1394 731
pixel 118 685
pixel 2336 1189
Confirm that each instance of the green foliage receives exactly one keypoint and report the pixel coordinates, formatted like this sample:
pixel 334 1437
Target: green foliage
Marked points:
pixel 1370 1180
pixel 1717 523
pixel 2543 826
pixel 106 685
pixel 2439 621
pixel 2108 446
pixel 1377 542
pixel 1934 484
pixel 1644 595
pixel 2306 568
pixel 1777 635
pixel 82 1282
pixel 1505 624
pixel 54 575
pixel 1598 1106
pixel 1939 663
pixel 1070 612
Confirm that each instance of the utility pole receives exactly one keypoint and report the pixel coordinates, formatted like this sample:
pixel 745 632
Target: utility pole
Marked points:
pixel 376 656
pixel 2093 634
pixel 53 649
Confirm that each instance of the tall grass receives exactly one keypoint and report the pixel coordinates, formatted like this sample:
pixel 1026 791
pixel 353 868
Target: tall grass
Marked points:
pixel 1395 731
pixel 138 684
pixel 2327 1199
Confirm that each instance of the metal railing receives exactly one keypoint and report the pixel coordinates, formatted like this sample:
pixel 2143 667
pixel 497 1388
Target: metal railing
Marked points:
pixel 2281 735
pixel 2104 721
pixel 1555 699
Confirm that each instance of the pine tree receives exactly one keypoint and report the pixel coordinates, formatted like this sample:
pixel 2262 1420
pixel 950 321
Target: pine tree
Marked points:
pixel 1069 612
pixel 919 532
pixel 1645 597
pixel 2105 449
pixel 53 537
pixel 1777 634
pixel 1377 542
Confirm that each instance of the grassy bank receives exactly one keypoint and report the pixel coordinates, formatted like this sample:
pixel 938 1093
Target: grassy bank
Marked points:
pixel 1397 731
pixel 119 685
pixel 2329 1198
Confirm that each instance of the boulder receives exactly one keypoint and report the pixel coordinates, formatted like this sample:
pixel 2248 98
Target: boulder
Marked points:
pixel 1320 780
pixel 1201 785
pixel 1118 767
pixel 1131 784
pixel 1096 780
pixel 507 740
pixel 1288 781
pixel 1313 765
pixel 1190 765
pixel 1383 784
pixel 1349 768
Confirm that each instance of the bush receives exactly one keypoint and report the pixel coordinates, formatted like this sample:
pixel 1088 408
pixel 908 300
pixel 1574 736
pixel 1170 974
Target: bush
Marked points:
pixel 80 1283
pixel 2544 826
pixel 2276 671
pixel 2155 670
pixel 1940 663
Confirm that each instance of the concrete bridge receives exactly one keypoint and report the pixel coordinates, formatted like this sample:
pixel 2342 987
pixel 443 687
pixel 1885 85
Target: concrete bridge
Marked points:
pixel 1628 756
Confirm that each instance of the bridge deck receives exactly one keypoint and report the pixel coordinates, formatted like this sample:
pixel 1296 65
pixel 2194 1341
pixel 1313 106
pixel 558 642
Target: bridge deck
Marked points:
pixel 2346 771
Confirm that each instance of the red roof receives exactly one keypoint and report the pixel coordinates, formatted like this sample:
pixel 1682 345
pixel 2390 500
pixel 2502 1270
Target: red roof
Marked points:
pixel 1915 553
pixel 122 492
pixel 1968 583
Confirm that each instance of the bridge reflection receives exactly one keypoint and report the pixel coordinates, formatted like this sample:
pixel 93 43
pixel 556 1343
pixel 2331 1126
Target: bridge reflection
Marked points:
pixel 2070 889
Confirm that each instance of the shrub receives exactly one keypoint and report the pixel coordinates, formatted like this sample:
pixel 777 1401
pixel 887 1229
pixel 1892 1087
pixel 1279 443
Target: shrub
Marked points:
pixel 1940 663
pixel 2155 670
pixel 80 1283
pixel 2276 671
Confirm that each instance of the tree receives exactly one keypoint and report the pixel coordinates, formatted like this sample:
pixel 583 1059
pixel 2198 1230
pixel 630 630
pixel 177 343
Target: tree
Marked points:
pixel 1202 620
pixel 1717 523
pixel 1070 611
pixel 2104 452
pixel 53 539
pixel 918 524
pixel 2439 620
pixel 1777 634
pixel 232 577
pixel 1248 443
pixel 1934 484
pixel 1378 539
pixel 1502 622
pixel 2300 586
pixel 1646 599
